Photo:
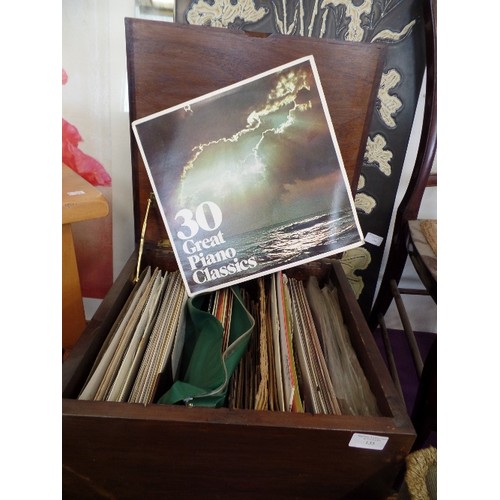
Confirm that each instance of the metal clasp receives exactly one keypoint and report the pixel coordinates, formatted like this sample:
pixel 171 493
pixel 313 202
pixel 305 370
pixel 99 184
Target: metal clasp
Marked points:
pixel 143 234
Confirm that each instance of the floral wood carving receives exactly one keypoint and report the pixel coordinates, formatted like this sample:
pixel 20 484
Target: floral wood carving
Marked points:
pixel 377 154
pixel 352 262
pixel 222 14
pixel 388 103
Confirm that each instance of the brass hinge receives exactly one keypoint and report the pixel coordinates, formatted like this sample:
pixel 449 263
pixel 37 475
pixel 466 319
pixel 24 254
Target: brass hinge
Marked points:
pixel 143 233
pixel 164 244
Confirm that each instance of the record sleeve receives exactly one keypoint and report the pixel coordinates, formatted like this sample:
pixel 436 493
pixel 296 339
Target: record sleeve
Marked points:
pixel 249 179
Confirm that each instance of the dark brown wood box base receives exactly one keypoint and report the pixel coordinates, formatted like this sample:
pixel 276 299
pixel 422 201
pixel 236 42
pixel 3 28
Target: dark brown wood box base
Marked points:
pixel 122 450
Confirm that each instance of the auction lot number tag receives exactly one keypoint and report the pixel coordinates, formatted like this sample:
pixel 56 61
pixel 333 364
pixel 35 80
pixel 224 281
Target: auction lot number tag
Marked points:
pixel 368 441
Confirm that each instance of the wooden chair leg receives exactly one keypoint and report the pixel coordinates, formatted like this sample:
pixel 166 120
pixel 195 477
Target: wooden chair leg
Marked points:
pixel 424 415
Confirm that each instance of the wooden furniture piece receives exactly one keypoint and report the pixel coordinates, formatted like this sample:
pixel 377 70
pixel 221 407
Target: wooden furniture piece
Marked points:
pixel 410 240
pixel 420 178
pixel 80 201
pixel 126 450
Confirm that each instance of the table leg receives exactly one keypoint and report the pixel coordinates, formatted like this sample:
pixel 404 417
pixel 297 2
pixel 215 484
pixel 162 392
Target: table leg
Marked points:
pixel 73 315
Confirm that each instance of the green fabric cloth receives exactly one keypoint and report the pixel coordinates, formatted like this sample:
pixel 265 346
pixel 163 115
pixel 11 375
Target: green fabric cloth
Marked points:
pixel 205 369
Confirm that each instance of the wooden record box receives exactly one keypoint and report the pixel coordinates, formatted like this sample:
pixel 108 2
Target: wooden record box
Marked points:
pixel 124 450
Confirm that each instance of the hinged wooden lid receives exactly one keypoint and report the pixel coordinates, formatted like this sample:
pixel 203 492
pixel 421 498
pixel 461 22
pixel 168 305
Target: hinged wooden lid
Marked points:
pixel 171 63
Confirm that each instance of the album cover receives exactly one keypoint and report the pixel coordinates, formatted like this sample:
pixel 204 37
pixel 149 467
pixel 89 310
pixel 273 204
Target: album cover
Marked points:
pixel 249 179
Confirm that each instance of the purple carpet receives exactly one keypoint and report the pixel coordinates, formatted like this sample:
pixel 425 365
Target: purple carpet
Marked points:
pixel 405 365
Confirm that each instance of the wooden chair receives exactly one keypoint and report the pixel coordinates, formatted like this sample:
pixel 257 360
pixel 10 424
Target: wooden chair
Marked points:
pixel 421 178
pixel 411 240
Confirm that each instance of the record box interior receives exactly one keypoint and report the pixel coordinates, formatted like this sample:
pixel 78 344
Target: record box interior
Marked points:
pixel 130 450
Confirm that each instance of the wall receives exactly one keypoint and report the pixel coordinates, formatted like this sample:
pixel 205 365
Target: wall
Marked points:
pixel 95 101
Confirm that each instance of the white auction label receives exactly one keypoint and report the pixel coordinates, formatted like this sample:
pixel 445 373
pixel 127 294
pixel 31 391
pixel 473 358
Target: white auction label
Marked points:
pixel 374 239
pixel 368 441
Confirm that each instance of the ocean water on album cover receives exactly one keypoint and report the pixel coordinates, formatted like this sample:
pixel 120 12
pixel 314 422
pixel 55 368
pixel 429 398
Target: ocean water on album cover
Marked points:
pixel 284 244
pixel 250 179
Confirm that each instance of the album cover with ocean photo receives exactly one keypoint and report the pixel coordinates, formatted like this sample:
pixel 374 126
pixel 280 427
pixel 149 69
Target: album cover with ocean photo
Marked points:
pixel 249 179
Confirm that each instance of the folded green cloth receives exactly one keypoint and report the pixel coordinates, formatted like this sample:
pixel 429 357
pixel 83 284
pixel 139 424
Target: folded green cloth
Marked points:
pixel 205 369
